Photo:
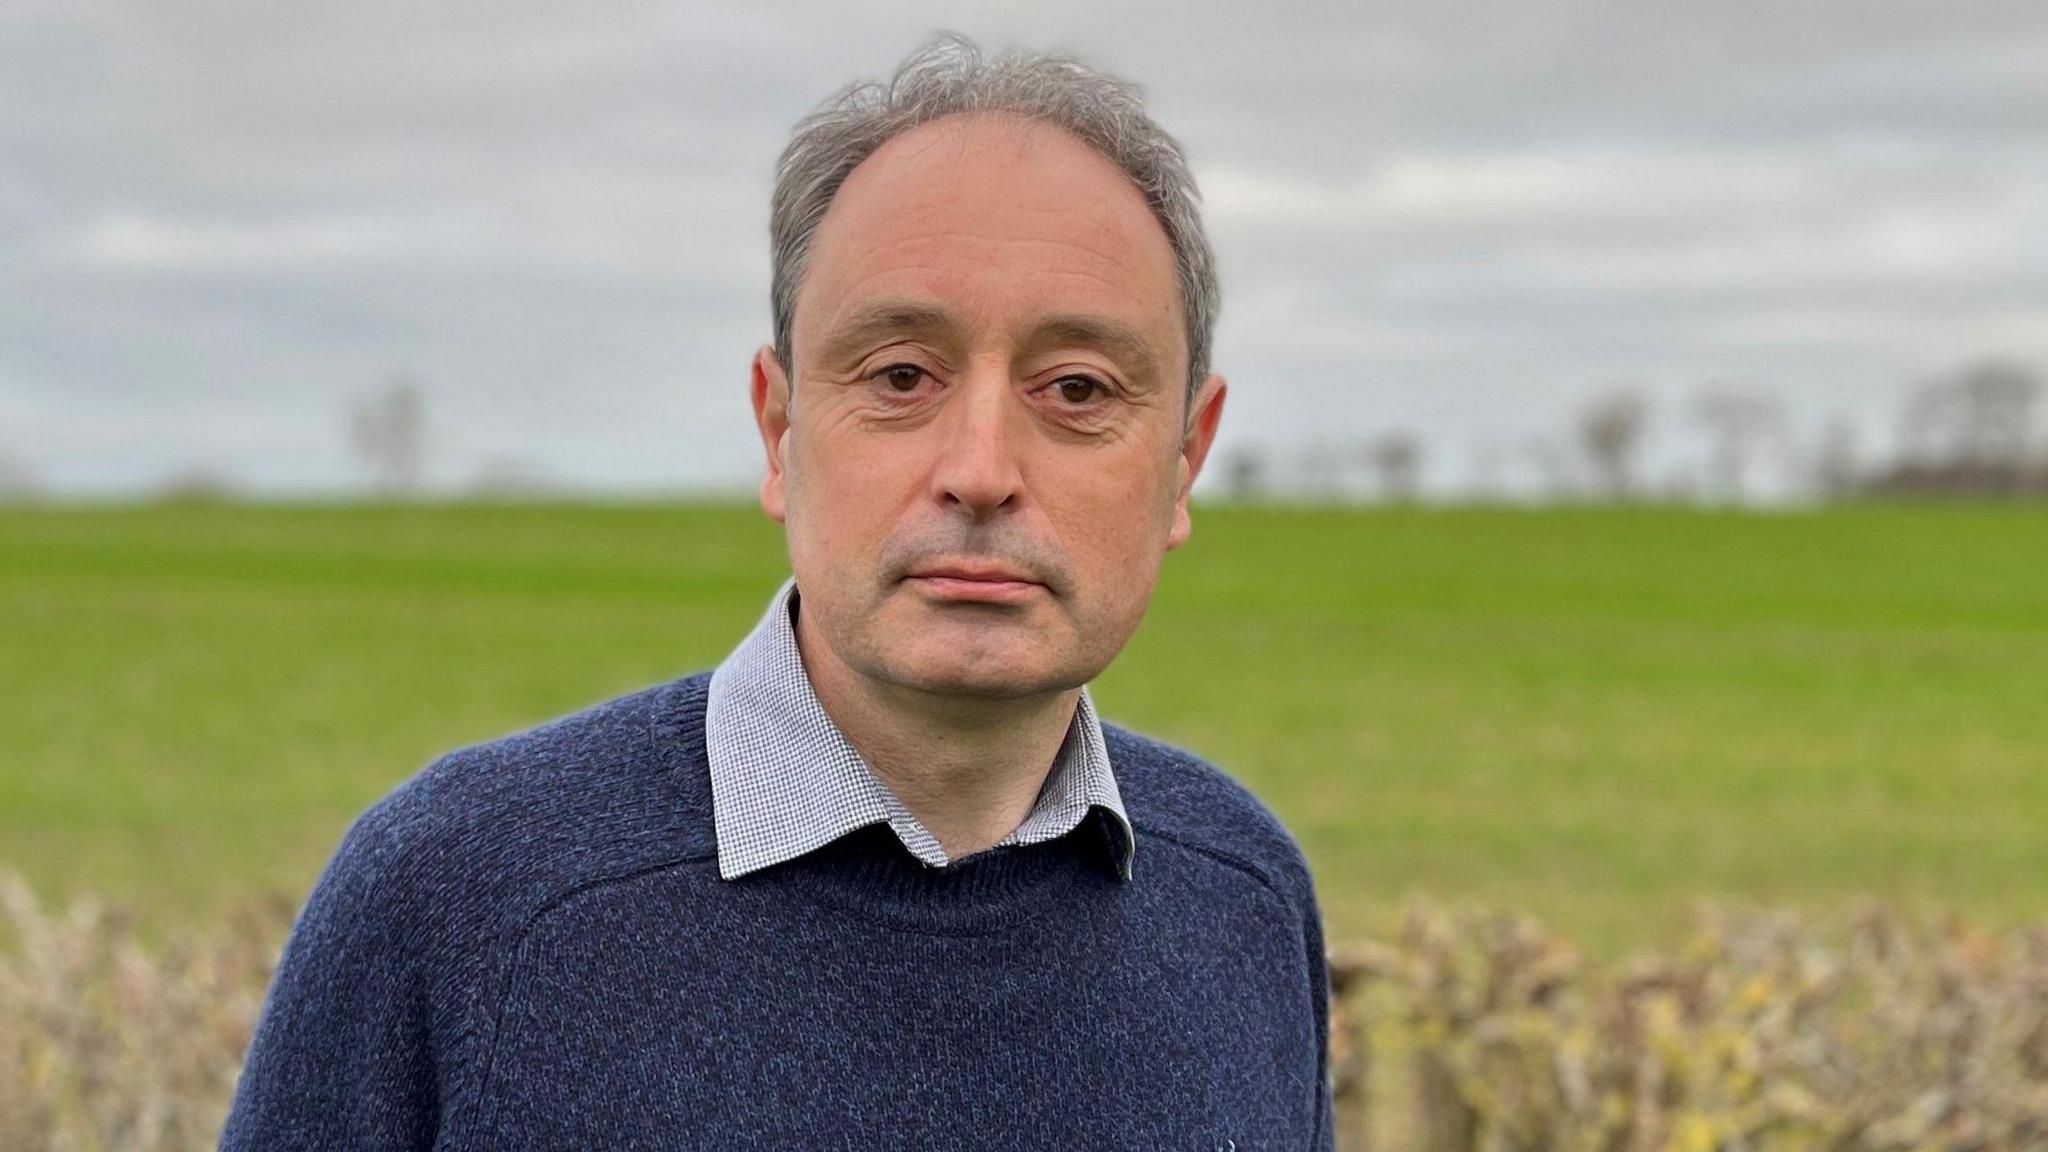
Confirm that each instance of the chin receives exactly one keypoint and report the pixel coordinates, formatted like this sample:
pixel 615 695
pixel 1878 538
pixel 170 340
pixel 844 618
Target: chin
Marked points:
pixel 987 674
pixel 980 681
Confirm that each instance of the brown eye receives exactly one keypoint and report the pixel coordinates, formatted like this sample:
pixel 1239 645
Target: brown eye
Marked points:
pixel 901 377
pixel 1078 389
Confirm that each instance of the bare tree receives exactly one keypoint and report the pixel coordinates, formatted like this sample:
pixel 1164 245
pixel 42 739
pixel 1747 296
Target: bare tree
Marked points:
pixel 1835 464
pixel 1968 433
pixel 1244 474
pixel 1395 460
pixel 17 484
pixel 196 484
pixel 1611 435
pixel 1741 422
pixel 1980 417
pixel 388 431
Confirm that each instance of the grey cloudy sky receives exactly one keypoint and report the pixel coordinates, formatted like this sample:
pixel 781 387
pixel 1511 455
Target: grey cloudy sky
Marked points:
pixel 223 223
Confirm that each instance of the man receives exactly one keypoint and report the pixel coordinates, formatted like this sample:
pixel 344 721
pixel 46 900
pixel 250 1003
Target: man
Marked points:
pixel 883 879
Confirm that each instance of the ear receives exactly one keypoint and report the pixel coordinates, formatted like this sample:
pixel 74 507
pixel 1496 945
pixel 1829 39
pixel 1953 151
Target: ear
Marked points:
pixel 1207 408
pixel 771 416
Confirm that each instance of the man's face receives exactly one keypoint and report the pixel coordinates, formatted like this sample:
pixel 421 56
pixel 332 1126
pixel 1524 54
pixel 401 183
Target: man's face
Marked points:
pixel 990 380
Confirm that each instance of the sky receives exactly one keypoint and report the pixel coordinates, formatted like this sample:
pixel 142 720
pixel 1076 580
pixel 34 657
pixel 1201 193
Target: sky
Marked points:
pixel 223 225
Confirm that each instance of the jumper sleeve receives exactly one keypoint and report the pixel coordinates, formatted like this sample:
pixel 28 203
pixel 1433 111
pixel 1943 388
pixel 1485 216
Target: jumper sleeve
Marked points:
pixel 342 1055
pixel 1325 1138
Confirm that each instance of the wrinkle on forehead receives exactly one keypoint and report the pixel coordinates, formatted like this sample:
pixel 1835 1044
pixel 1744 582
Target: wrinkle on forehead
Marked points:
pixel 981 209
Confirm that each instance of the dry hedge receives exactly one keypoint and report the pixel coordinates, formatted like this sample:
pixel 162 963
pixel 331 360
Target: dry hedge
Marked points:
pixel 1460 1032
pixel 1766 1032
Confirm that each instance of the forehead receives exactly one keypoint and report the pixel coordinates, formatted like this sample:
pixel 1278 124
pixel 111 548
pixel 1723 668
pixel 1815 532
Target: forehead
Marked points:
pixel 999 219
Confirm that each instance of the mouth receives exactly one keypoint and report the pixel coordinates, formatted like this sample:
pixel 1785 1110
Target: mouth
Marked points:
pixel 974 583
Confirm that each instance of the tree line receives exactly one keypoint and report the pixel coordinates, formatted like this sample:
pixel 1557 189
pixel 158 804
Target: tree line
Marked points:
pixel 1969 433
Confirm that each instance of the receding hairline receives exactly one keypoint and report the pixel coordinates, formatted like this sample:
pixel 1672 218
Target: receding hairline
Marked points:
pixel 950 75
pixel 1095 328
pixel 1021 124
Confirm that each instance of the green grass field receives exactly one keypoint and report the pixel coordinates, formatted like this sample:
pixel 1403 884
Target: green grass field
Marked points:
pixel 1599 716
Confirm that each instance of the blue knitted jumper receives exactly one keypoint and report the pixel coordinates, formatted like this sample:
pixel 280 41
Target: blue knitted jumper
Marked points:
pixel 527 945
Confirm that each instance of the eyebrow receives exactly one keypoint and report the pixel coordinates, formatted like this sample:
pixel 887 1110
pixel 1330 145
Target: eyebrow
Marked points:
pixel 872 324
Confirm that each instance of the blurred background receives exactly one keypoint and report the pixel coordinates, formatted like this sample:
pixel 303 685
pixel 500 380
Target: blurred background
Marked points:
pixel 1630 499
pixel 1704 251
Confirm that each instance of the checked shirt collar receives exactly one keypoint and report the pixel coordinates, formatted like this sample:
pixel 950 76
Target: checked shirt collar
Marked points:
pixel 785 780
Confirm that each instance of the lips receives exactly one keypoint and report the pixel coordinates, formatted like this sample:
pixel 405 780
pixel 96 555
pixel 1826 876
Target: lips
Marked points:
pixel 975 583
pixel 991 573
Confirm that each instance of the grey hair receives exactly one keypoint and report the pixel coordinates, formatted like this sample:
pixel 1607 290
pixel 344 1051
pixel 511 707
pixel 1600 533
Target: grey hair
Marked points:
pixel 950 75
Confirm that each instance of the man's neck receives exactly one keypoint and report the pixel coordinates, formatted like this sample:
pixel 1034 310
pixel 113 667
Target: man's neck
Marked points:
pixel 969 768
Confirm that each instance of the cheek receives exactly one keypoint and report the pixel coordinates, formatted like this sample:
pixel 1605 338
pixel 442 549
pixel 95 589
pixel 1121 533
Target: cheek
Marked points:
pixel 842 493
pixel 1116 521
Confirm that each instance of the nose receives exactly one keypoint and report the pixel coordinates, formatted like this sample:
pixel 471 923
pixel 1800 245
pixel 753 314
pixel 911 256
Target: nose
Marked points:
pixel 977 469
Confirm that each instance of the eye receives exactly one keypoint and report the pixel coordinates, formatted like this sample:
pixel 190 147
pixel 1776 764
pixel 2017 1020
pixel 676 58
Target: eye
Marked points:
pixel 1079 390
pixel 900 378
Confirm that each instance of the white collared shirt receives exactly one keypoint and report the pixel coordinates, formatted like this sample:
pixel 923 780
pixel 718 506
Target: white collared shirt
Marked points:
pixel 785 780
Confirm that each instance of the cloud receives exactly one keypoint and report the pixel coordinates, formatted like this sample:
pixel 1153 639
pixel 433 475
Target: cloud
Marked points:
pixel 133 242
pixel 1451 214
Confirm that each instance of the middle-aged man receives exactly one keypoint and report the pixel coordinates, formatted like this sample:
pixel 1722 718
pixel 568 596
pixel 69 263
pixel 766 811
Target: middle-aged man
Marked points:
pixel 883 879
